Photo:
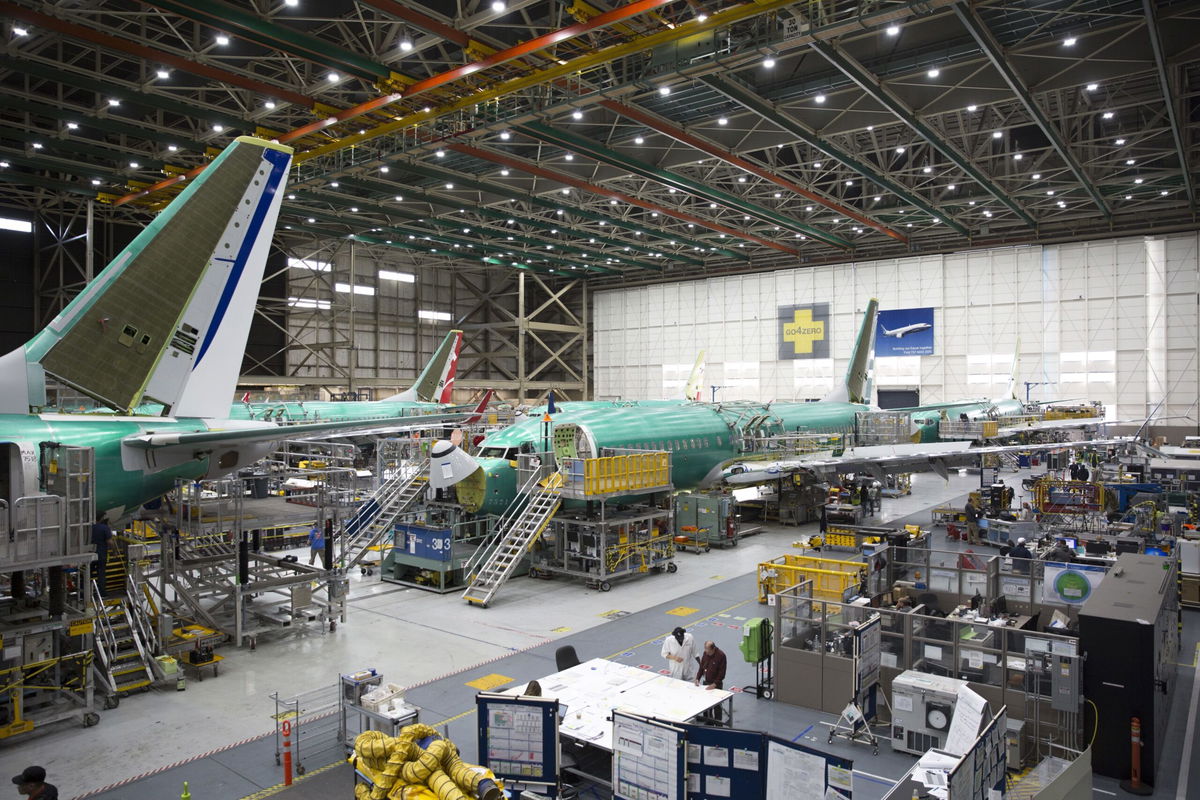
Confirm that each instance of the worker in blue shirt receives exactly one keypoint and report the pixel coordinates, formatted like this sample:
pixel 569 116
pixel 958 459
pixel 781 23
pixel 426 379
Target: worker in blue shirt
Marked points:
pixel 316 545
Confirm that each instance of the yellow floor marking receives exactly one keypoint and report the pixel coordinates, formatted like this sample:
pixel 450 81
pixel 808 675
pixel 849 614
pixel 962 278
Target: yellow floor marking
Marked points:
pixel 489 682
pixel 279 787
pixel 682 611
pixel 559 630
pixel 614 614
pixel 1195 658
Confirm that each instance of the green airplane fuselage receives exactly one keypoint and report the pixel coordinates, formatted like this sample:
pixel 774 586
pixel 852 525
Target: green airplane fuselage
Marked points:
pixel 700 438
pixel 123 481
pixel 329 411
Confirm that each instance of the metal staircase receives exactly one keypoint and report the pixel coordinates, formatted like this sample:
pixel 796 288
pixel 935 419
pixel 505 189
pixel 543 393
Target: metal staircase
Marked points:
pixel 126 662
pixel 375 518
pixel 520 526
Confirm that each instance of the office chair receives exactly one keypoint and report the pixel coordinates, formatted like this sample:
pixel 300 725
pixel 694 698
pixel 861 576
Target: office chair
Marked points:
pixel 565 657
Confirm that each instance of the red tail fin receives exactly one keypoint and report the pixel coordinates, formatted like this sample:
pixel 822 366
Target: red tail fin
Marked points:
pixel 480 409
pixel 448 384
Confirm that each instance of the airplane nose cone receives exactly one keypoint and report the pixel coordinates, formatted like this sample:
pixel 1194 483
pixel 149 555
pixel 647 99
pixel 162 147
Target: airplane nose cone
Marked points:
pixel 448 464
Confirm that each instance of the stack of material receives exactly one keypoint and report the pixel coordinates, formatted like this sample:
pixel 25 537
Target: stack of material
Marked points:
pixel 400 768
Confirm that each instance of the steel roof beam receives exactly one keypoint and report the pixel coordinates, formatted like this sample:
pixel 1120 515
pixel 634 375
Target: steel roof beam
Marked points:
pixel 368 205
pixel 143 100
pixel 484 186
pixel 995 55
pixel 581 144
pixel 421 20
pixel 150 54
pixel 579 183
pixel 870 84
pixel 413 193
pixel 664 127
pixel 752 102
pixel 1164 81
pixel 224 17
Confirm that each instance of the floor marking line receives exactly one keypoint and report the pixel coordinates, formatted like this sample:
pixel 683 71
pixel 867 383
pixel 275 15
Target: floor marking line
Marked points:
pixel 875 778
pixel 279 787
pixel 1104 791
pixel 806 730
pixel 1181 792
pixel 702 619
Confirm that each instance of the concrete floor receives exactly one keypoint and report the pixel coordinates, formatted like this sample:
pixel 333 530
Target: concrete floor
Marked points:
pixel 415 638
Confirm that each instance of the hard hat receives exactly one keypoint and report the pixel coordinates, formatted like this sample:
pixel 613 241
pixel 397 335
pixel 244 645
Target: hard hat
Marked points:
pixel 1021 540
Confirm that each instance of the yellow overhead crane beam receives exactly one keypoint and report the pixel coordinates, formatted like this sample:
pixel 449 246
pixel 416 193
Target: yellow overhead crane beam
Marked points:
pixel 719 19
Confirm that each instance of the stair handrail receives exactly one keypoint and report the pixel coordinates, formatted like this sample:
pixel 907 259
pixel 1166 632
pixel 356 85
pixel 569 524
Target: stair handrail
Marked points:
pixel 483 553
pixel 135 606
pixel 380 499
pixel 105 640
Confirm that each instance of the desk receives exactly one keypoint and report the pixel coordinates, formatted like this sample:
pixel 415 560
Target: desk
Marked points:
pixel 591 690
pixel 213 662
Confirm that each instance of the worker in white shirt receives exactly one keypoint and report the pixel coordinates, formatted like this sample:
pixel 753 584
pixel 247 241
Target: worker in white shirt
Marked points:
pixel 679 649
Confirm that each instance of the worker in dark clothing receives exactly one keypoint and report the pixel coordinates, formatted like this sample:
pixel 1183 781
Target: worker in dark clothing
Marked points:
pixel 972 515
pixel 1060 552
pixel 32 783
pixel 1084 473
pixel 711 674
pixel 824 522
pixel 1019 554
pixel 712 667
pixel 864 499
pixel 102 540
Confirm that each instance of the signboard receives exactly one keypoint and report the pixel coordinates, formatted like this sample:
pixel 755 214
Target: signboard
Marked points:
pixel 518 737
pixel 424 542
pixel 647 760
pixel 1069 583
pixel 904 332
pixel 867 646
pixel 804 331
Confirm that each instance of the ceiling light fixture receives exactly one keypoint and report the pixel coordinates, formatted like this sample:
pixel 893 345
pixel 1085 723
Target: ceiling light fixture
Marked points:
pixel 933 73
pixel 163 74
pixel 664 90
pixel 1069 41
pixel 893 30
pixel 577 114
pixel 972 107
pixel 769 62
pixel 819 98
pixel 1108 115
pixel 997 134
pixel 222 40
pixel 722 121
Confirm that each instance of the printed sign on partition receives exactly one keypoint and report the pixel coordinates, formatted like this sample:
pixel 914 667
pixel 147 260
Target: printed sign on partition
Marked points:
pixel 904 332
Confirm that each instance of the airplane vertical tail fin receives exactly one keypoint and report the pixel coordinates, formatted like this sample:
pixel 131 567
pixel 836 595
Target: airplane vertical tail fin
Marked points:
pixel 435 384
pixel 691 391
pixel 1012 376
pixel 857 385
pixel 167 320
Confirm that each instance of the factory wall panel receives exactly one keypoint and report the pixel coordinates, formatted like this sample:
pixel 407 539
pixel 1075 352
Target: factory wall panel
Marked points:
pixel 1105 320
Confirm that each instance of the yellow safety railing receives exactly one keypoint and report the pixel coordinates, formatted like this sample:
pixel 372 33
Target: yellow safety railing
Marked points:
pixel 830 577
pixel 625 473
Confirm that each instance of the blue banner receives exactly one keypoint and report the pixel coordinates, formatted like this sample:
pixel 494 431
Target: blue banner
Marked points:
pixel 904 332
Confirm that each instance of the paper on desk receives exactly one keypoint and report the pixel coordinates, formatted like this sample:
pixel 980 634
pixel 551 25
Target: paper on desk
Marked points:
pixel 938 760
pixel 716 786
pixel 716 756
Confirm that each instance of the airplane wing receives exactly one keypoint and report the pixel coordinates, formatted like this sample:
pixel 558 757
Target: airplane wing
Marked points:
pixel 938 457
pixel 265 431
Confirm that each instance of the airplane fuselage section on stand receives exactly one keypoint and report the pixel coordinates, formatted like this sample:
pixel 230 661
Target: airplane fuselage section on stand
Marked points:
pixel 126 477
pixel 700 438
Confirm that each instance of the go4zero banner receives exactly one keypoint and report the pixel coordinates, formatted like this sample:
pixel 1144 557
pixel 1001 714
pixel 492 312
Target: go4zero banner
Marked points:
pixel 804 331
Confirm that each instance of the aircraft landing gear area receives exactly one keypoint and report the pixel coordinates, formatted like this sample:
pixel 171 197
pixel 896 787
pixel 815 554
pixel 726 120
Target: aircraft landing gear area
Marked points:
pixel 607 549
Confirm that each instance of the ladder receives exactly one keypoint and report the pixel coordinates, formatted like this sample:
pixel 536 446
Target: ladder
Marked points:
pixel 374 518
pixel 126 663
pixel 515 532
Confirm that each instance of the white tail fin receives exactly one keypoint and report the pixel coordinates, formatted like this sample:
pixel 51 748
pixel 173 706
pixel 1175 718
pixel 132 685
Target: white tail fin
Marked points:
pixel 857 385
pixel 435 384
pixel 1012 377
pixel 167 320
pixel 692 390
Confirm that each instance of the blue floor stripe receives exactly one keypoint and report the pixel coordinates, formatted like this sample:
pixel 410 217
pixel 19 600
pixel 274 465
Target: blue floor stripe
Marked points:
pixel 806 730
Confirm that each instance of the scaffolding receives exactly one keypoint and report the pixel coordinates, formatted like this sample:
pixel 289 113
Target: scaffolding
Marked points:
pixel 47 616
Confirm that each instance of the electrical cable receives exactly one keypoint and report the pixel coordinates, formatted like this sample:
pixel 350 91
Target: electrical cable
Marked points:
pixel 1096 725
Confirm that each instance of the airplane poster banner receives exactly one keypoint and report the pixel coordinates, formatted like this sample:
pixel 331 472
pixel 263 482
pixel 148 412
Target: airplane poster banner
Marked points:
pixel 904 332
pixel 804 331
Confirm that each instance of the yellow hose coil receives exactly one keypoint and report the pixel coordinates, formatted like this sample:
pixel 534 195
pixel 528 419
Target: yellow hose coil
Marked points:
pixel 401 769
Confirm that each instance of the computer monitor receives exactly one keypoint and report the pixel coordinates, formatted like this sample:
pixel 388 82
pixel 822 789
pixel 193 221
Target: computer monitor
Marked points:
pixel 1096 547
pixel 1128 546
pixel 1070 542
pixel 1000 606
